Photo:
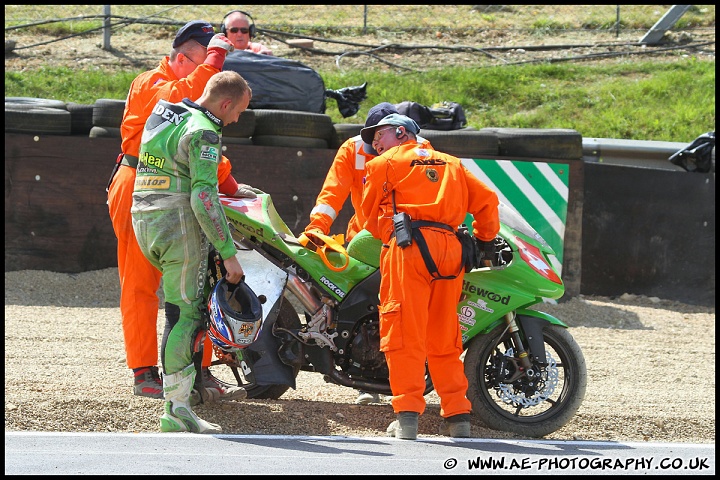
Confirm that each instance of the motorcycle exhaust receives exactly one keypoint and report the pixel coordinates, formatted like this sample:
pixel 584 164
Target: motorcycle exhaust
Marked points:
pixel 301 290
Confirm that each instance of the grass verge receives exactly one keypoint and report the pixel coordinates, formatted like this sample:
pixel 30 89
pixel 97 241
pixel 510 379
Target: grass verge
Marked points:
pixel 637 100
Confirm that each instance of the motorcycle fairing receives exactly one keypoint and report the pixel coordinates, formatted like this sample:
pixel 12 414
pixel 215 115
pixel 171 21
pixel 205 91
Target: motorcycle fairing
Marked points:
pixel 258 221
pixel 263 360
pixel 469 333
pixel 268 282
pixel 545 316
pixel 362 300
pixel 264 278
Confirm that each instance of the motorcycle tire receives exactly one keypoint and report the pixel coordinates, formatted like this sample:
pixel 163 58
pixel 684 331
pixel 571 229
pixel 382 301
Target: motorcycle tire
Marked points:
pixel 507 408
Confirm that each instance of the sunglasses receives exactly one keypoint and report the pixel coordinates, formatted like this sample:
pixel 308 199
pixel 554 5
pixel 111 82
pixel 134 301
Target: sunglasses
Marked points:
pixel 379 133
pixel 238 29
pixel 193 61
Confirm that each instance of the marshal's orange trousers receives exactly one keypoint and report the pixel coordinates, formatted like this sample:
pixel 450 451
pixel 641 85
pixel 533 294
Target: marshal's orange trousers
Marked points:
pixel 418 321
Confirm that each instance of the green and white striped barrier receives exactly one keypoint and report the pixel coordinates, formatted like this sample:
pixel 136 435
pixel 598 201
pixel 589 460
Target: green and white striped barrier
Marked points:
pixel 538 191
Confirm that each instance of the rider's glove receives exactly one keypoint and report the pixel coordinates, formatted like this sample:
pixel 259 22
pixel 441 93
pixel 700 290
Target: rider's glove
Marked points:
pixel 246 191
pixel 218 47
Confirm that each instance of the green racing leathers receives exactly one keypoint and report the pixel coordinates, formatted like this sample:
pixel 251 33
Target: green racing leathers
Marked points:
pixel 177 214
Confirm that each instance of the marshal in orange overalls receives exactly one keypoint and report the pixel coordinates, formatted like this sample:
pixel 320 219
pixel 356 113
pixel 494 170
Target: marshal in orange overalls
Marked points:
pixel 344 178
pixel 418 318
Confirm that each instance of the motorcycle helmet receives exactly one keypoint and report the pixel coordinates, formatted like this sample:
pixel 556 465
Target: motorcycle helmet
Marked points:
pixel 235 315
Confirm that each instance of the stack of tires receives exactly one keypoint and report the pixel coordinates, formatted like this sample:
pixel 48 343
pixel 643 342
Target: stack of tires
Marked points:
pixel 344 131
pixel 45 116
pixel 81 118
pixel 558 143
pixel 289 128
pixel 463 142
pixel 277 128
pixel 239 133
pixel 106 118
pixel 37 116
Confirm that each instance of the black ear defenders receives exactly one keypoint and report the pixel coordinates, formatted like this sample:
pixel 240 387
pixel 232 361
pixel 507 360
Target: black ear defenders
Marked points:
pixel 398 133
pixel 253 30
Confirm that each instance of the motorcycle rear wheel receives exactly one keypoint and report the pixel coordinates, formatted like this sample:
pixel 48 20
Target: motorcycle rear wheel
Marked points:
pixel 527 420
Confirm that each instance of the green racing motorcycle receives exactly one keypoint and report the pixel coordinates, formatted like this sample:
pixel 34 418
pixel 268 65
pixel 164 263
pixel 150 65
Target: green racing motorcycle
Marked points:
pixel 526 373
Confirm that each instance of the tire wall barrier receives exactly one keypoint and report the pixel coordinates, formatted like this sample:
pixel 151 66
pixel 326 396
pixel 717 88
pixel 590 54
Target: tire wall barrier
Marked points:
pixel 633 230
pixel 56 205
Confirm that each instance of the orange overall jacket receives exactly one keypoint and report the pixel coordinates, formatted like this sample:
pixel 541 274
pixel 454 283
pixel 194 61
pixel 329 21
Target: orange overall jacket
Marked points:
pixel 139 280
pixel 344 178
pixel 418 314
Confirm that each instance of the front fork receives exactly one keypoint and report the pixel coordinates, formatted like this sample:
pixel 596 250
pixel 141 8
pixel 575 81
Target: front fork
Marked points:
pixel 533 333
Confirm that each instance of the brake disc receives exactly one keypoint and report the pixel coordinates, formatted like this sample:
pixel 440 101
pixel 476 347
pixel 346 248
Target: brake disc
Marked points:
pixel 547 378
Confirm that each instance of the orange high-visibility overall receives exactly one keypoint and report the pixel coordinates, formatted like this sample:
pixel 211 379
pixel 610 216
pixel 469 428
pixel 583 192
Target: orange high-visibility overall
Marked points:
pixel 344 178
pixel 139 280
pixel 418 316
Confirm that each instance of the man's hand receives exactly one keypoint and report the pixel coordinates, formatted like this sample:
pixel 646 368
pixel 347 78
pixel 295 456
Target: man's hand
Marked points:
pixel 246 191
pixel 217 49
pixel 220 41
pixel 234 270
pixel 313 238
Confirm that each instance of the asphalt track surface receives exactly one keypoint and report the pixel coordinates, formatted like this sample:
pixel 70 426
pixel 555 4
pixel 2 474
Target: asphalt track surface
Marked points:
pixel 38 453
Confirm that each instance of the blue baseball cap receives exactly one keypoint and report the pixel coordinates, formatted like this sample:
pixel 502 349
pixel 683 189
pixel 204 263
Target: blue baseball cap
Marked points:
pixel 394 119
pixel 198 30
pixel 378 112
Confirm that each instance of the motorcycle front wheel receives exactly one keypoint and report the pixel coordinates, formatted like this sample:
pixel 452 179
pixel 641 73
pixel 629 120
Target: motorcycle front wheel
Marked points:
pixel 532 407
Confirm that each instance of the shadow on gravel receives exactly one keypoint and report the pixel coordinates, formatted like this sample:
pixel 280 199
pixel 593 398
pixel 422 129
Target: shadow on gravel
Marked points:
pixel 601 316
pixel 604 312
pixel 320 418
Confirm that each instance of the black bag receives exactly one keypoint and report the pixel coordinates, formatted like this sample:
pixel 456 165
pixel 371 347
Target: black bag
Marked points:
pixel 278 83
pixel 420 113
pixel 447 116
pixel 471 253
pixel 444 116
pixel 697 157
pixel 348 99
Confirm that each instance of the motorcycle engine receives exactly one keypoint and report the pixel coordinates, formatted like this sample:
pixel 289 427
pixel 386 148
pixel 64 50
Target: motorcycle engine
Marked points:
pixel 366 359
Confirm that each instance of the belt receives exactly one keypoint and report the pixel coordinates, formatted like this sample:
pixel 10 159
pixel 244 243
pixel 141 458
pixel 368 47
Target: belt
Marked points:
pixel 424 250
pixel 426 223
pixel 129 160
